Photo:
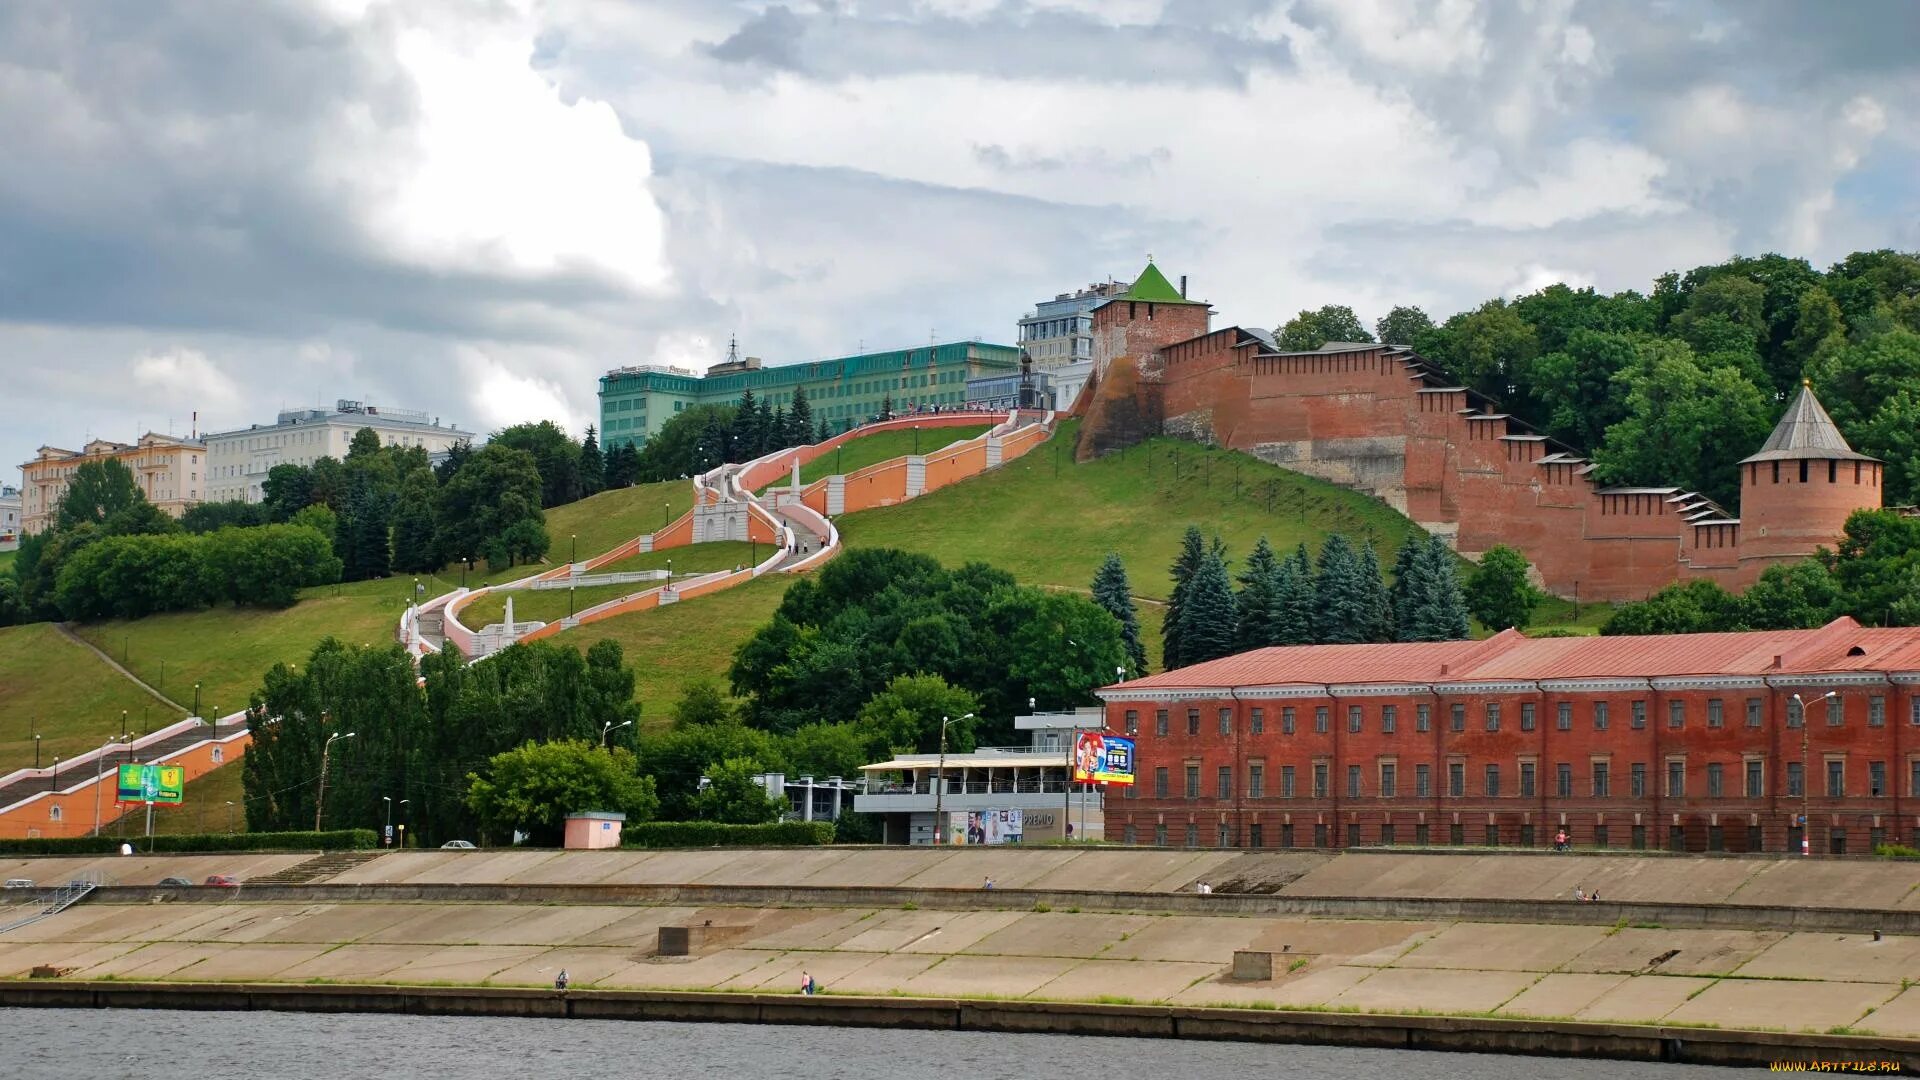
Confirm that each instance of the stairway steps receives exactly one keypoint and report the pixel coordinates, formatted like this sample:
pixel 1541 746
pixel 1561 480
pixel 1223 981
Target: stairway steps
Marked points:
pixel 324 865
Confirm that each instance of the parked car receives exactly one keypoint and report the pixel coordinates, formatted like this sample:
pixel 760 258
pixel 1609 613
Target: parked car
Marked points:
pixel 176 881
pixel 457 845
pixel 18 883
pixel 223 881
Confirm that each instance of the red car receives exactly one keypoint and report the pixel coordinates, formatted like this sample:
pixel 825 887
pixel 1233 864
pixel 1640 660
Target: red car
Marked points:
pixel 223 881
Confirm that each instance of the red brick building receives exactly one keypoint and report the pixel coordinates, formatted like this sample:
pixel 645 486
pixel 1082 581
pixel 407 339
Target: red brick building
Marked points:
pixel 1701 742
pixel 1383 420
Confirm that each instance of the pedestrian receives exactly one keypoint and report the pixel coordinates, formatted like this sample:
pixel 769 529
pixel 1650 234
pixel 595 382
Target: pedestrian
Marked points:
pixel 806 982
pixel 1206 889
pixel 1560 840
pixel 560 980
pixel 989 885
pixel 1578 894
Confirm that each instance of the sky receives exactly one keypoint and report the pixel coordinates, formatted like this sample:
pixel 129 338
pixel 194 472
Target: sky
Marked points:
pixel 474 208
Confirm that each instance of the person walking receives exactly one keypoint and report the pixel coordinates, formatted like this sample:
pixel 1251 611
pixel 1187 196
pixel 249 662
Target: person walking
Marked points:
pixel 560 981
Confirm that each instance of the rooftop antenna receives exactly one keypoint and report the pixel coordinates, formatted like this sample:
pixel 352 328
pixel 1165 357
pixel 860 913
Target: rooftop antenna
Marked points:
pixel 733 349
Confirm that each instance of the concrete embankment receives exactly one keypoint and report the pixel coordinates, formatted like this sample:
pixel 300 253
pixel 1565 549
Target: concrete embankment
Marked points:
pixel 1480 1035
pixel 1417 909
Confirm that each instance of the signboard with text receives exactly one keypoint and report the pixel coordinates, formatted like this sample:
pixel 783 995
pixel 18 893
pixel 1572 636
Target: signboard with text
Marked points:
pixel 1102 759
pixel 986 826
pixel 151 784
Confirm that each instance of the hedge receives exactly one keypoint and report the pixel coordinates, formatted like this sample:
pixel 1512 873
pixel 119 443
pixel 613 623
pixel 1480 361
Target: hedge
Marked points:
pixel 338 840
pixel 670 834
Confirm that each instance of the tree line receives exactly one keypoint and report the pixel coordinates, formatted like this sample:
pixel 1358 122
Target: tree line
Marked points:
pixel 701 438
pixel 1676 386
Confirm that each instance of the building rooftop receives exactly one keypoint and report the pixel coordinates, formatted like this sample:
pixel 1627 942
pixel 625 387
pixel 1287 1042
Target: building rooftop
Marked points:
pixel 1840 646
pixel 1152 286
pixel 1806 431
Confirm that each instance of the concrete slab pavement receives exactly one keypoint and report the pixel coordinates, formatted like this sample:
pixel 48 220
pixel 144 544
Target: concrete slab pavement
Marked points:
pixel 987 976
pixel 469 965
pixel 1502 947
pixel 1045 934
pixel 357 963
pixel 1136 980
pixel 1309 987
pixel 1400 990
pixel 1561 994
pixel 1700 952
pixel 584 967
pixel 1643 1000
pixel 1792 1006
pixel 1900 1016
pixel 1837 956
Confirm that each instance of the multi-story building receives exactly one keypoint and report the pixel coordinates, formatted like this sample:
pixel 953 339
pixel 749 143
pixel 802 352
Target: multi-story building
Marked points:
pixel 238 460
pixel 170 471
pixel 1699 742
pixel 1060 331
pixel 636 402
pixel 9 517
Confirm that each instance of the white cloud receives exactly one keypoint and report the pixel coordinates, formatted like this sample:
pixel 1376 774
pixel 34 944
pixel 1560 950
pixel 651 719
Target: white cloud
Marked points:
pixel 502 394
pixel 184 379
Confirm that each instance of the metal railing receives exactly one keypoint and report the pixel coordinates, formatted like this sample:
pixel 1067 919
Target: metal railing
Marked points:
pixel 64 897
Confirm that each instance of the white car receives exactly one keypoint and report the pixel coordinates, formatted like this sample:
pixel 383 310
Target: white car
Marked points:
pixel 18 883
pixel 457 845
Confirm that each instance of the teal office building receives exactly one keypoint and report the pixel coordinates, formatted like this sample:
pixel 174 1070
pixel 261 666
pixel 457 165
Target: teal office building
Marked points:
pixel 636 402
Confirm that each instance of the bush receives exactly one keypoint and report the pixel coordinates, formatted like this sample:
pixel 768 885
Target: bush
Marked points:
pixel 1897 851
pixel 337 840
pixel 668 834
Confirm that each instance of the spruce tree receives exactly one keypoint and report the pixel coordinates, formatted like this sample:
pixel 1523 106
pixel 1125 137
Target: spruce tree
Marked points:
pixel 364 528
pixel 1207 617
pixel 886 406
pixel 1440 606
pixel 746 431
pixel 1253 609
pixel 1379 608
pixel 413 527
pixel 712 448
pixel 799 418
pixel 593 467
pixel 1341 614
pixel 822 434
pixel 1407 591
pixel 1293 600
pixel 1192 551
pixel 776 431
pixel 1112 592
pixel 769 426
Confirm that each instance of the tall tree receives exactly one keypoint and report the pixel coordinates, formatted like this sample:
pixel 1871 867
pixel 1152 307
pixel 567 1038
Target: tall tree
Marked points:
pixel 1686 425
pixel 593 467
pixel 497 487
pixel 287 490
pixel 1343 614
pixel 747 435
pixel 555 456
pixel 1402 326
pixel 96 492
pixel 1207 620
pixel 799 418
pixel 1498 592
pixel 362 539
pixel 1309 330
pixel 1112 592
pixel 365 443
pixel 1441 606
pixel 1193 550
pixel 414 550
pixel 1254 608
pixel 1378 607
pixel 1407 594
pixel 1294 603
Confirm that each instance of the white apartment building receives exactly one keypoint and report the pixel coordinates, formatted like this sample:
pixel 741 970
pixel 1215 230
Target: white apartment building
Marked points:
pixel 9 517
pixel 1060 331
pixel 238 460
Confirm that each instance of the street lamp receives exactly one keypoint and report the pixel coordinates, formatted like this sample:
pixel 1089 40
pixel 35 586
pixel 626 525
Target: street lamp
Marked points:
pixel 666 514
pixel 99 761
pixel 575 537
pixel 36 751
pixel 1806 776
pixel 320 800
pixel 940 779
pixel 196 699
pixel 610 726
pixel 229 816
pixel 400 839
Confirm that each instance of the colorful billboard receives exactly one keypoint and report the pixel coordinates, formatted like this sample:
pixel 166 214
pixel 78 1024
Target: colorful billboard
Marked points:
pixel 1102 759
pixel 986 826
pixel 151 784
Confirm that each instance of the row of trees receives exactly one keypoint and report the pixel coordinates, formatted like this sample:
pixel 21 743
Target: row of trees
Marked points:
pixel 1873 576
pixel 1677 386
pixel 1339 598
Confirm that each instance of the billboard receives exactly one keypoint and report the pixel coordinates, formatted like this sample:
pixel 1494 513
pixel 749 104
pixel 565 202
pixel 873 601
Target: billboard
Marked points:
pixel 985 826
pixel 1102 759
pixel 151 784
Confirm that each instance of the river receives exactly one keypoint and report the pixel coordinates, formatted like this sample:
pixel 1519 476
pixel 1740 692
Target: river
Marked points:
pixel 115 1044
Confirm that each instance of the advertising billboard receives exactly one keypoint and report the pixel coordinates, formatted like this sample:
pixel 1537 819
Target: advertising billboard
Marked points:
pixel 986 826
pixel 151 784
pixel 1102 759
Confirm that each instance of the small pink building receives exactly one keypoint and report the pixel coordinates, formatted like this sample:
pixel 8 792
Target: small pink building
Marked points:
pixel 594 829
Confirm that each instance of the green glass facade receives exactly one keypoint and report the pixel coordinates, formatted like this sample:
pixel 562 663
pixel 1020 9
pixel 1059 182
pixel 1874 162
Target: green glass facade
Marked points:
pixel 637 402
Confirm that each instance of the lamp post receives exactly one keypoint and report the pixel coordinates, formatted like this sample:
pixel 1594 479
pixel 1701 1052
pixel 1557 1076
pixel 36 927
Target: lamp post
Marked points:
pixel 609 727
pixel 940 778
pixel 1806 776
pixel 229 816
pixel 320 800
pixel 99 761
pixel 123 723
pixel 196 699
pixel 400 838
pixel 666 514
pixel 36 751
pixel 575 537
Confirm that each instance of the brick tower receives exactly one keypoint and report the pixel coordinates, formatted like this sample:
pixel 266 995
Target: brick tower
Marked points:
pixel 1796 493
pixel 1129 331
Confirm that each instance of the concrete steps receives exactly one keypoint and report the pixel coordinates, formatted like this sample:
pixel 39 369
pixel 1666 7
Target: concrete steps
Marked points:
pixel 319 867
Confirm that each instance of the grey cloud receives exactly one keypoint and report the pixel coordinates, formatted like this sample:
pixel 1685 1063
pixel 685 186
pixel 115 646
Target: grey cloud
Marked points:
pixel 1093 160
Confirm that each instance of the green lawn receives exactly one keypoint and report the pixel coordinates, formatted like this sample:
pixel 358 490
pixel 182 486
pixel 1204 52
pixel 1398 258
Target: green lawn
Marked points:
pixel 227 649
pixel 62 691
pixel 599 524
pixel 882 446
pixel 1553 613
pixel 204 809
pixel 1051 522
pixel 539 605
pixel 692 559
pixel 6 560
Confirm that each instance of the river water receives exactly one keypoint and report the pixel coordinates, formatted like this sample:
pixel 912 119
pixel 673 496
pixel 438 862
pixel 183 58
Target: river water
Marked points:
pixel 115 1044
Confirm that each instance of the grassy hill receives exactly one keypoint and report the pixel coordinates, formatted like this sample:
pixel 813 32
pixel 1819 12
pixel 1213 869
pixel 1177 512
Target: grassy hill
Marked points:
pixel 67 694
pixel 855 454
pixel 6 560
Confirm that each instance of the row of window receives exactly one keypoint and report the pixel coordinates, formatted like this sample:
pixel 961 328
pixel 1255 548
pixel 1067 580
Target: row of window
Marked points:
pixel 1599 780
pixel 1493 835
pixel 1494 713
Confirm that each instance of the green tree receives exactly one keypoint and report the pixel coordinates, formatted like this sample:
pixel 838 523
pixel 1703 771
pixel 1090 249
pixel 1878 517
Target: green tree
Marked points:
pixel 1877 564
pixel 1498 592
pixel 556 457
pixel 1207 619
pixel 623 465
pixel 287 490
pixel 234 513
pixel 1402 326
pixel 1791 596
pixel 1490 349
pixel 1694 607
pixel 363 538
pixel 1344 612
pixel 733 796
pixel 593 467
pixel 268 565
pixel 1309 330
pixel 907 715
pixel 886 406
pixel 1253 608
pixel 1294 603
pixel 1578 388
pixel 1114 594
pixel 414 550
pixel 497 487
pixel 749 436
pixel 1685 425
pixel 532 789
pixel 1438 601
pixel 96 492
pixel 1407 595
pixel 1193 551
pixel 1893 436
pixel 1378 605
pixel 799 419
pixel 365 443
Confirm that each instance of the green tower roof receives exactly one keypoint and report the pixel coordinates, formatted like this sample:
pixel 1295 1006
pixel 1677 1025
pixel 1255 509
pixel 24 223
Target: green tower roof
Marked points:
pixel 1153 286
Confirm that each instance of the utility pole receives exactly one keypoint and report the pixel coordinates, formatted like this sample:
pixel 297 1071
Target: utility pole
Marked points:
pixel 320 800
pixel 940 780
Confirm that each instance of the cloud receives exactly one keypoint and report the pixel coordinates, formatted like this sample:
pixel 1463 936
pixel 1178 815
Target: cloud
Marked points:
pixel 179 376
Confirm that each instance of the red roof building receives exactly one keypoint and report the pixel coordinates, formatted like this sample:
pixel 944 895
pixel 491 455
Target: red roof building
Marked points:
pixel 1698 742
